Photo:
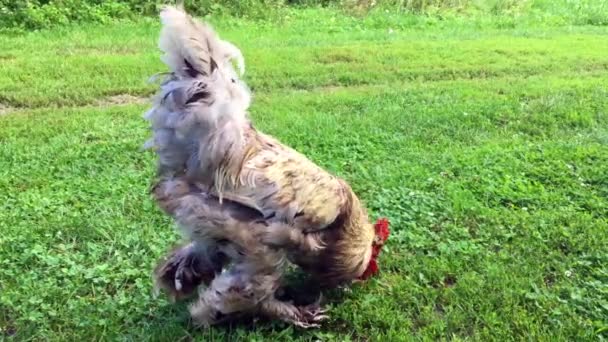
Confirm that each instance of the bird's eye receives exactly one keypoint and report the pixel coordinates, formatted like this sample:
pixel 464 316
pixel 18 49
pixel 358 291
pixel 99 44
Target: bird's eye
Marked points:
pixel 233 80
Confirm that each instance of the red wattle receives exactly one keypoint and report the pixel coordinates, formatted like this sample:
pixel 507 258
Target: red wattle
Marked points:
pixel 372 269
pixel 382 232
pixel 382 229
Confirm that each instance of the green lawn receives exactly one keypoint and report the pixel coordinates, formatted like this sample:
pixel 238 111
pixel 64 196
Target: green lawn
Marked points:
pixel 485 143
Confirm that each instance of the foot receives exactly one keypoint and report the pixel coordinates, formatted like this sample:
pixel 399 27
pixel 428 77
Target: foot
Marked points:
pixel 310 316
pixel 306 317
pixel 182 272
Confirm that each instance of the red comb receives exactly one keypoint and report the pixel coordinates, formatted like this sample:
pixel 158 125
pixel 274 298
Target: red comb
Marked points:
pixel 382 232
pixel 381 228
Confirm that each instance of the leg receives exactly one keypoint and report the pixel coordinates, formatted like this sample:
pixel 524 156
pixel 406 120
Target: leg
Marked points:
pixel 211 224
pixel 241 289
pixel 229 296
pixel 308 316
pixel 186 267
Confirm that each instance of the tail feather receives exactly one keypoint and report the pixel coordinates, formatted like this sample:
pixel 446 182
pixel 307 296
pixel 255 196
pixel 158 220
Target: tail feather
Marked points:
pixel 200 112
pixel 192 47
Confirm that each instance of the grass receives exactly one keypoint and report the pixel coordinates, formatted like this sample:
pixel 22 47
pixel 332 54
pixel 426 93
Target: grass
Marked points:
pixel 485 143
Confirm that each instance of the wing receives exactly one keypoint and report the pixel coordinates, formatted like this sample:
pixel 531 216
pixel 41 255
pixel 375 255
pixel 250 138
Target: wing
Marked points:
pixel 285 186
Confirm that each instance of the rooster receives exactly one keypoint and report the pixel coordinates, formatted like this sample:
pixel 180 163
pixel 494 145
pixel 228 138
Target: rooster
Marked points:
pixel 203 136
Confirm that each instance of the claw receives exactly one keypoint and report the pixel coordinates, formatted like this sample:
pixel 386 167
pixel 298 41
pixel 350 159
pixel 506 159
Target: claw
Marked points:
pixel 315 317
pixel 306 325
pixel 316 310
pixel 312 314
pixel 323 310
pixel 320 318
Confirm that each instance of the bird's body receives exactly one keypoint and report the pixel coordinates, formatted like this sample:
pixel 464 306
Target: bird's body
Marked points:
pixel 207 144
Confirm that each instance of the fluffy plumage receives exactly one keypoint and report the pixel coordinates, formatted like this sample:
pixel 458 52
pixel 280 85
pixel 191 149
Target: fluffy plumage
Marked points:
pixel 242 274
pixel 200 112
pixel 203 137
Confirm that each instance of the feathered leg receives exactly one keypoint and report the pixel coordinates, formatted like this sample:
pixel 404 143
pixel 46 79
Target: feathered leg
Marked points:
pixel 250 284
pixel 234 294
pixel 186 267
pixel 239 290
